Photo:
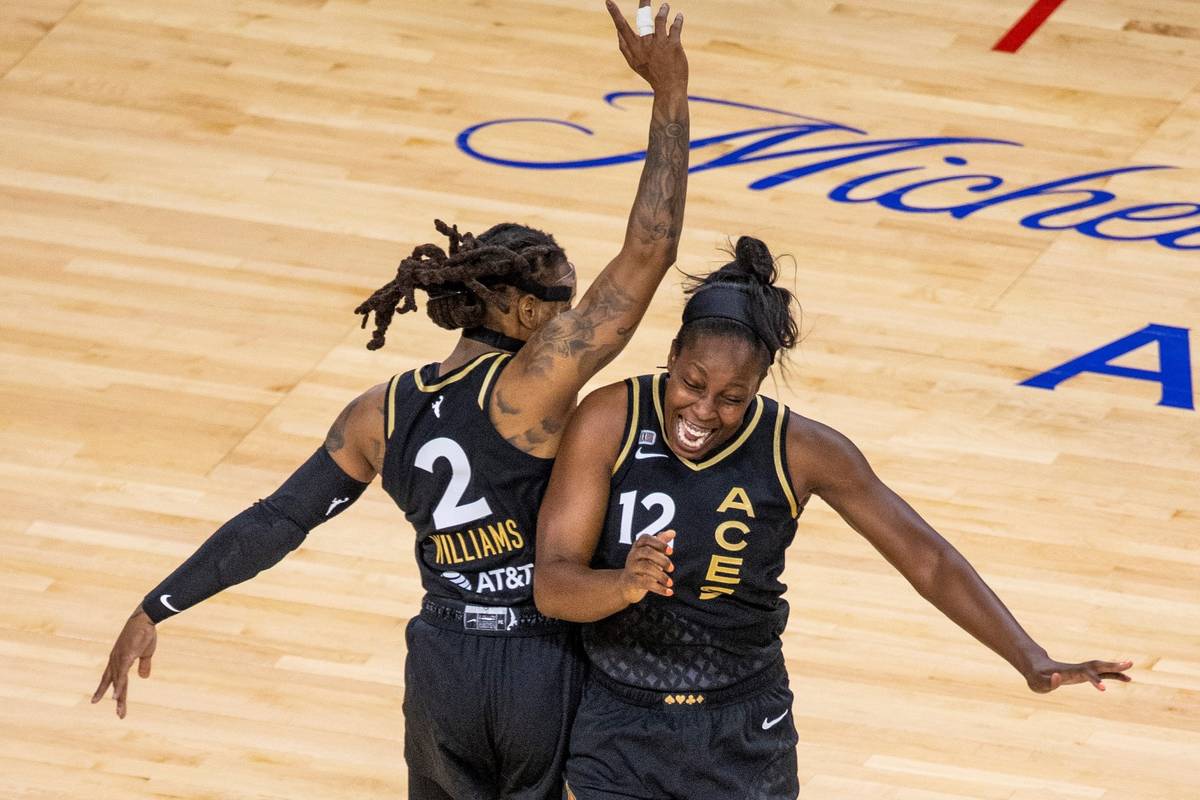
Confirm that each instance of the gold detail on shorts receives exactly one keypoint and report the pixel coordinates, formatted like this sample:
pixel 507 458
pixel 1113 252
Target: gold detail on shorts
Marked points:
pixel 683 699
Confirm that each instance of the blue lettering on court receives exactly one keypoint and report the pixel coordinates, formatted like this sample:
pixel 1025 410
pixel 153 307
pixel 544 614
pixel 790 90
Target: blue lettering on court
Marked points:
pixel 798 146
pixel 1174 360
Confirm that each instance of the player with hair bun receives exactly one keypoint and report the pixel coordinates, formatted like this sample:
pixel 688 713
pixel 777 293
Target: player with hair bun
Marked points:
pixel 670 508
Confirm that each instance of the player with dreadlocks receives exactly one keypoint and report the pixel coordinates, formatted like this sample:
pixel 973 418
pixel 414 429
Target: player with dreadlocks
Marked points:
pixel 465 447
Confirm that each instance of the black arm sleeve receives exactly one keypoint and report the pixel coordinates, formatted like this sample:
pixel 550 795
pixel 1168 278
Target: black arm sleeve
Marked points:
pixel 259 537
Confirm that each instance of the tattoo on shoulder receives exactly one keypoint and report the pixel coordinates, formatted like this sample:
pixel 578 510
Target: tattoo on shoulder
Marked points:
pixel 378 443
pixel 335 440
pixel 505 407
pixel 531 438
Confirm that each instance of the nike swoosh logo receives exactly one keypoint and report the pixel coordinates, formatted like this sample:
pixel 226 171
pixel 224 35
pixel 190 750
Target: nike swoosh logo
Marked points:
pixel 163 600
pixel 768 724
pixel 640 455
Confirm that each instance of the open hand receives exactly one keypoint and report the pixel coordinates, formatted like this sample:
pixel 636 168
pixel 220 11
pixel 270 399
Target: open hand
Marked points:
pixel 135 643
pixel 658 57
pixel 1046 675
pixel 647 567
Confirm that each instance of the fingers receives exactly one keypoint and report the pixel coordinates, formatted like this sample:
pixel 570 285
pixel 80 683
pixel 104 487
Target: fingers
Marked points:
pixel 1096 672
pixel 121 689
pixel 1116 676
pixel 648 563
pixel 654 558
pixel 105 682
pixel 661 541
pixel 144 667
pixel 1109 670
pixel 652 580
pixel 676 27
pixel 660 21
pixel 654 549
pixel 625 51
pixel 1093 672
pixel 623 29
pixel 1113 669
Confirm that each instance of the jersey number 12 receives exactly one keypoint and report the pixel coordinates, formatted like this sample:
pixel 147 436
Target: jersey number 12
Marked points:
pixel 663 502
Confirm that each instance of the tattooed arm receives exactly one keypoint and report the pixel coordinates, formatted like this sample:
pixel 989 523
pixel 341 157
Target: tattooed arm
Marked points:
pixel 355 440
pixel 536 392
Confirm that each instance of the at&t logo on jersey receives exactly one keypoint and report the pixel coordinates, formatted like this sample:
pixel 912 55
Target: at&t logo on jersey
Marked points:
pixel 459 580
pixel 494 580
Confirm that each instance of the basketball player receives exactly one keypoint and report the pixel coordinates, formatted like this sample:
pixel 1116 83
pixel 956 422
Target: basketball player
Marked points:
pixel 671 504
pixel 464 446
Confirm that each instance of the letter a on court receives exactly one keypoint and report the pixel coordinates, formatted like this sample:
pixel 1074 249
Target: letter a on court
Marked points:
pixel 1174 360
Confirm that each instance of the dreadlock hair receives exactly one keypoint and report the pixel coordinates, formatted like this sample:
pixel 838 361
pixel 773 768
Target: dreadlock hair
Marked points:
pixel 772 326
pixel 458 282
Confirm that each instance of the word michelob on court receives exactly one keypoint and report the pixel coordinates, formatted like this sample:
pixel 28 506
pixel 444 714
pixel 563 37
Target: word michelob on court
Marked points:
pixel 1062 204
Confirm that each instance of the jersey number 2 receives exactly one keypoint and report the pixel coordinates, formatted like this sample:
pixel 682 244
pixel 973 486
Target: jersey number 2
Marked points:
pixel 451 512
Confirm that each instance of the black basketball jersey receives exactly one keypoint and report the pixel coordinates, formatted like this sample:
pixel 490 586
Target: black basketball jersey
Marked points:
pixel 734 514
pixel 471 495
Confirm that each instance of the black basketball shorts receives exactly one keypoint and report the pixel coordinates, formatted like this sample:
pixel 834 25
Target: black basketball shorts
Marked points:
pixel 733 744
pixel 488 705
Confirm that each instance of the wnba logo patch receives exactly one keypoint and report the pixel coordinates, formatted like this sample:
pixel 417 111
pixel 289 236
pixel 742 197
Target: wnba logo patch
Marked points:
pixel 647 437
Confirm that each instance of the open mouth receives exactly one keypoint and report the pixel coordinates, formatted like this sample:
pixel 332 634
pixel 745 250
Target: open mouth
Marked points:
pixel 690 437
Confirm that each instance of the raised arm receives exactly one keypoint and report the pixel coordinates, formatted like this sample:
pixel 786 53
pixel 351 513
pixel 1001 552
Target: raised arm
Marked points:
pixel 572 515
pixel 836 471
pixel 537 390
pixel 259 537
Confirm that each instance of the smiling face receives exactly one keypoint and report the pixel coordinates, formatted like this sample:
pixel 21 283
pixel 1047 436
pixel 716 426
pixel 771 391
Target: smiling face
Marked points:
pixel 712 381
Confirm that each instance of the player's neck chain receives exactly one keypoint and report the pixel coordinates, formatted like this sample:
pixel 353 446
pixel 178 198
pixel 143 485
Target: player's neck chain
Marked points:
pixel 494 338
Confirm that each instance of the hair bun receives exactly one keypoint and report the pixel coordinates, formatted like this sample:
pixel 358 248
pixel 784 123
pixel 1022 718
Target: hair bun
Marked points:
pixel 754 259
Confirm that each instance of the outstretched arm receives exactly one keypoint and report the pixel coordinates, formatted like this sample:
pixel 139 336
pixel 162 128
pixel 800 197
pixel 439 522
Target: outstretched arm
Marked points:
pixel 259 537
pixel 537 390
pixel 840 475
pixel 565 585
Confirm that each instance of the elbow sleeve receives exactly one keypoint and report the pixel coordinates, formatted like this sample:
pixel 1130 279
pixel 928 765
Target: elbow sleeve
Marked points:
pixel 259 537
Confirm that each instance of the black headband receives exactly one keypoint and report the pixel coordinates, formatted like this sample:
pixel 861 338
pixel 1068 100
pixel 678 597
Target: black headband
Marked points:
pixel 551 294
pixel 724 301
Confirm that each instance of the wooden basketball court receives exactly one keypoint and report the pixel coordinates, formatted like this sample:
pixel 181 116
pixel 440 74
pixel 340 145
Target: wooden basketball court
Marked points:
pixel 194 195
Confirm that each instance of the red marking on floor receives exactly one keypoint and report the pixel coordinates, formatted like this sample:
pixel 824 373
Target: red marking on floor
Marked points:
pixel 1026 25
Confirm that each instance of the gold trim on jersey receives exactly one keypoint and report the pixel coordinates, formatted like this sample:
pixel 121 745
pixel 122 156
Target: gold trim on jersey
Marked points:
pixel 456 375
pixel 631 422
pixel 391 404
pixel 779 470
pixel 725 451
pixel 487 379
